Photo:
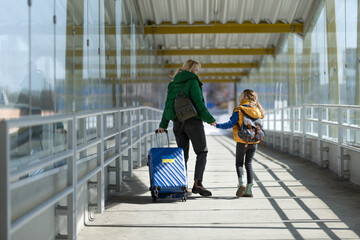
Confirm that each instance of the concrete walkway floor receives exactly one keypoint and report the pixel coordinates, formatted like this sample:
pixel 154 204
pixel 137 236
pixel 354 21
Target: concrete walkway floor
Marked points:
pixel 293 199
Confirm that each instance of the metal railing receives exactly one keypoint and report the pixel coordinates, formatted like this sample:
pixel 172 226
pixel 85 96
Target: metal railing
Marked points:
pixel 335 124
pixel 117 137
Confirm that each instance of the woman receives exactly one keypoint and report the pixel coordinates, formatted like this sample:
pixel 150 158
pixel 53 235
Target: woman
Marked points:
pixel 193 128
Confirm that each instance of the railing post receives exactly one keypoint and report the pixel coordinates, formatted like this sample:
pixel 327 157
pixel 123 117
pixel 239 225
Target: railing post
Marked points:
pixel 268 121
pixel 117 151
pixel 303 124
pixel 282 131
pixel 138 116
pixel 5 206
pixel 72 181
pixel 146 123
pixel 340 141
pixel 130 162
pixel 100 162
pixel 274 135
pixel 152 138
pixel 291 143
pixel 319 139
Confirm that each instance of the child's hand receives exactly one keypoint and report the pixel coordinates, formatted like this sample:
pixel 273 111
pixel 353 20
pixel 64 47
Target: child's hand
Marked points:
pixel 213 124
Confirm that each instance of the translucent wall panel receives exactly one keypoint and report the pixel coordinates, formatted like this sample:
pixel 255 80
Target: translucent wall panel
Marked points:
pixel 60 54
pixel 42 68
pixel 298 47
pixel 319 85
pixel 346 24
pixel 14 57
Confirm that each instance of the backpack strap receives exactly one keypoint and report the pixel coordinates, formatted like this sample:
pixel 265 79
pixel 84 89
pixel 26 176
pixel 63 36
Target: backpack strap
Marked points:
pixel 182 91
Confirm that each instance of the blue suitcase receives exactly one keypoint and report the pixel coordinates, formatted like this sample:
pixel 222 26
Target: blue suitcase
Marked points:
pixel 168 175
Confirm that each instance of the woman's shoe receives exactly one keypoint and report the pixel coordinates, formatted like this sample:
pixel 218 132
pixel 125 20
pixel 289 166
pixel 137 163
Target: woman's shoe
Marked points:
pixel 199 188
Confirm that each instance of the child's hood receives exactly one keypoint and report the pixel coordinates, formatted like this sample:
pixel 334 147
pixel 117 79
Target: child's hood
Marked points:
pixel 251 112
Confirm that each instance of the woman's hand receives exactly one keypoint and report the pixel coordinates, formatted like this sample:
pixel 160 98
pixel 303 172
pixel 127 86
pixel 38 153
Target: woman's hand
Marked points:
pixel 213 124
pixel 161 130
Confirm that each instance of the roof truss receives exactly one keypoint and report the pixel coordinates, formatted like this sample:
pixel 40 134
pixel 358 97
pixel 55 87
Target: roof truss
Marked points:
pixel 200 28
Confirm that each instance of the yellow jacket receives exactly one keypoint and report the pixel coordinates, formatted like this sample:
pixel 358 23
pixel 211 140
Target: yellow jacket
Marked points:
pixel 251 112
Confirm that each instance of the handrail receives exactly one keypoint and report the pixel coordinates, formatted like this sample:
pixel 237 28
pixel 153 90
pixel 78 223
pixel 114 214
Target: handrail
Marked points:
pixel 326 123
pixel 143 120
pixel 314 119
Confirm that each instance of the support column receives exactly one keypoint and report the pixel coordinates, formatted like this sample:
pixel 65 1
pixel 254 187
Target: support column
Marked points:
pixel 110 46
pixel 72 181
pixel 334 89
pixel 292 80
pixel 357 91
pixel 331 35
pixel 100 162
pixel 306 90
pixel 74 51
pixel 5 206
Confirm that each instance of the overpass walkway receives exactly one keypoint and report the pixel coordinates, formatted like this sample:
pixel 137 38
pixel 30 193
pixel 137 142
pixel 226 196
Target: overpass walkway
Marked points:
pixel 294 199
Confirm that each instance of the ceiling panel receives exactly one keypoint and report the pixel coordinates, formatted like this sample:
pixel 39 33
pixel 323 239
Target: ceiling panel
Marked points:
pixel 176 12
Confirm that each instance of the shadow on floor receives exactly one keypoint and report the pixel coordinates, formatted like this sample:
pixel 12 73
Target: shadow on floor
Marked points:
pixel 340 195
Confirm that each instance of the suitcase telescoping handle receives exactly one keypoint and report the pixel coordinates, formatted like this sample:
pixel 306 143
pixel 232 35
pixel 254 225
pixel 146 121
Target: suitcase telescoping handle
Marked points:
pixel 167 136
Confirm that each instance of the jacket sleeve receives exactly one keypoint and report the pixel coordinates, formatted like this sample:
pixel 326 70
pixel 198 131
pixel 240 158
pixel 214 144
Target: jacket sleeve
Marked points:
pixel 233 120
pixel 164 122
pixel 164 119
pixel 199 102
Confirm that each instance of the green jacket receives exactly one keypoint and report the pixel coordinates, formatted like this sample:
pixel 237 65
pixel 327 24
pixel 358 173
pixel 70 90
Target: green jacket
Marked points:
pixel 193 89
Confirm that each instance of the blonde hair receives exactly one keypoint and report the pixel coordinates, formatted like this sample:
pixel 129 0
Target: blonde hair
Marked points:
pixel 252 96
pixel 190 65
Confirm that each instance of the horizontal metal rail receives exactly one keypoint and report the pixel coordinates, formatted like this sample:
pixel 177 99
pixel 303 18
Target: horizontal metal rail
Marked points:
pixel 272 120
pixel 323 123
pixel 143 120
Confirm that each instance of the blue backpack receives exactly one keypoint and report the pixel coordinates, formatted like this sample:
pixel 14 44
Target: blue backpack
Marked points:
pixel 251 130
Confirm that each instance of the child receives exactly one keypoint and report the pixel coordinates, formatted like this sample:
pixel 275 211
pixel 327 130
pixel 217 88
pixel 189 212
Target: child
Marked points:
pixel 244 151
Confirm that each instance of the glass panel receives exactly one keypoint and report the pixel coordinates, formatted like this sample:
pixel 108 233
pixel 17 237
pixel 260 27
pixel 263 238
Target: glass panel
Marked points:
pixel 319 64
pixel 91 22
pixel 331 114
pixel 14 58
pixel 330 132
pixel 42 68
pixel 299 69
pixel 346 18
pixel 340 28
pixel 287 126
pixel 60 60
pixel 297 126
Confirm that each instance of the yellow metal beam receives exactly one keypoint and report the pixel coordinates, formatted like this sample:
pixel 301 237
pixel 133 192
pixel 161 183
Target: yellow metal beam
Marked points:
pixel 225 51
pixel 217 51
pixel 111 53
pixel 218 65
pixel 220 80
pixel 224 74
pixel 200 27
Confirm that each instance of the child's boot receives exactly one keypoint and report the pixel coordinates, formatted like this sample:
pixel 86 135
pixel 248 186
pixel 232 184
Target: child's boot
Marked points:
pixel 241 187
pixel 249 190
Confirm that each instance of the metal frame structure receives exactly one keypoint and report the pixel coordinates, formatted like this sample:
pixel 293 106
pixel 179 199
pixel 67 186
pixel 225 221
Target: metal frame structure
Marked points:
pixel 316 122
pixel 133 131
